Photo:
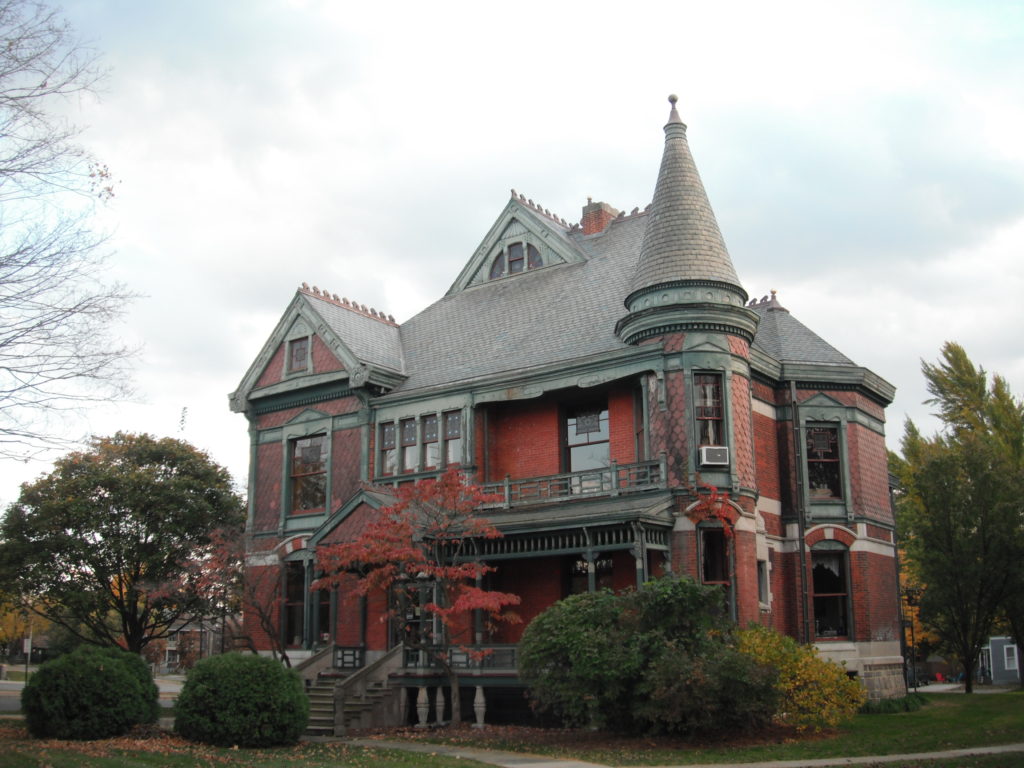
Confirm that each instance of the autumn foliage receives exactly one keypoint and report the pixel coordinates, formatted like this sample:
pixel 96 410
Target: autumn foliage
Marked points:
pixel 428 537
pixel 814 692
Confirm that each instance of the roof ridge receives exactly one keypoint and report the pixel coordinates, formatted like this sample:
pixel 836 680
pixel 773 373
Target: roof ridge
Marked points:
pixel 352 306
pixel 537 208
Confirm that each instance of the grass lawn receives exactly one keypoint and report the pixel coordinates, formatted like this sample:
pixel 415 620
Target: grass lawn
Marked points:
pixel 18 750
pixel 949 721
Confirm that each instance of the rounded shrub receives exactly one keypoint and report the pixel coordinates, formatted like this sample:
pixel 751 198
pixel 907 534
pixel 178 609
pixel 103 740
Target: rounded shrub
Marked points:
pixel 90 693
pixel 241 700
pixel 813 692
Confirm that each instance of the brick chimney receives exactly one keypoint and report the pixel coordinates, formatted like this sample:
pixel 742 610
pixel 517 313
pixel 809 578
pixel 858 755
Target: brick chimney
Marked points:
pixel 596 216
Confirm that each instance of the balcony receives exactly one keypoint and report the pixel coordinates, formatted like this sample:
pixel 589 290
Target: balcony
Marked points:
pixel 614 480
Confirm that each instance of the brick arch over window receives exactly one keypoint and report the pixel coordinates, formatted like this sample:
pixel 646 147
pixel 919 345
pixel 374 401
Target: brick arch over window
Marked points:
pixel 831 533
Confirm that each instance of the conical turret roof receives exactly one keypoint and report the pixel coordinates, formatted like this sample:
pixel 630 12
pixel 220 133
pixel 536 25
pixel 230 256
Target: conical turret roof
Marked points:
pixel 682 242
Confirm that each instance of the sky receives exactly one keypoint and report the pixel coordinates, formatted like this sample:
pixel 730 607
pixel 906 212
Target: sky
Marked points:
pixel 864 159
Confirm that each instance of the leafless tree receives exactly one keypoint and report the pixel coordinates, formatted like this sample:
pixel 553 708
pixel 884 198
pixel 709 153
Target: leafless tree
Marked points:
pixel 56 349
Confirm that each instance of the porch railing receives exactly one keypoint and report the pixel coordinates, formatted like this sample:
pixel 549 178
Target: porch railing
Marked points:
pixel 613 480
pixel 349 657
pixel 492 658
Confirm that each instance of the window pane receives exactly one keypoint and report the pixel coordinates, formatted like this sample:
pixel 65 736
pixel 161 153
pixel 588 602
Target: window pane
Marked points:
pixel 515 258
pixel 431 447
pixel 309 473
pixel 707 408
pixel 298 352
pixel 388 454
pixel 714 557
pixel 823 465
pixel 453 437
pixel 498 266
pixel 830 596
pixel 533 259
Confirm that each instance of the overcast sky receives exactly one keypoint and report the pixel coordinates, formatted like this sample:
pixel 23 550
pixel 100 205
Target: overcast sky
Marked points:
pixel 864 159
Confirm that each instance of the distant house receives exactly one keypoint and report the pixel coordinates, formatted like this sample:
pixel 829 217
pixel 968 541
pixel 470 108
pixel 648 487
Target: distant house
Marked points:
pixel 1001 657
pixel 593 375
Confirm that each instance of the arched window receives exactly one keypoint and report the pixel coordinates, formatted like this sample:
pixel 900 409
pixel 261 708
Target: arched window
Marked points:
pixel 515 258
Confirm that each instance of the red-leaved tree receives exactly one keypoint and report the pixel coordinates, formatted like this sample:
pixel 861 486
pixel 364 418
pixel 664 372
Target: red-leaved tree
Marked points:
pixel 426 540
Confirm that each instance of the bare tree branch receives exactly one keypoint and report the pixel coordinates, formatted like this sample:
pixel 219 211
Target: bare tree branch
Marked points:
pixel 57 353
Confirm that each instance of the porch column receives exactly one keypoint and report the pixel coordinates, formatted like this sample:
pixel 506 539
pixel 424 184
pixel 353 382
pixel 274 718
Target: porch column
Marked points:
pixel 591 571
pixel 479 707
pixel 439 705
pixel 422 706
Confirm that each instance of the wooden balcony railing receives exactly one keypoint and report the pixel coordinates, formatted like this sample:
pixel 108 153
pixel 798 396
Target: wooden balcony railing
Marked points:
pixel 614 480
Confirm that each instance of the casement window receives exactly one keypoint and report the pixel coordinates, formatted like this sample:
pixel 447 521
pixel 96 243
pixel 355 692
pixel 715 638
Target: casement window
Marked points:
pixel 452 437
pixel 298 355
pixel 1010 657
pixel 410 445
pixel 829 576
pixel 388 452
pixel 824 466
pixel 708 412
pixel 515 258
pixel 294 606
pixel 309 473
pixel 586 438
pixel 431 445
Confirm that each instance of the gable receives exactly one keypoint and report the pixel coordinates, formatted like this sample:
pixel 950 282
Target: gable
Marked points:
pixel 302 351
pixel 521 240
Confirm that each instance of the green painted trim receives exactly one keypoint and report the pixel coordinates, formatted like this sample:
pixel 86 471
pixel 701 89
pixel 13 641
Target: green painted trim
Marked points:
pixel 301 397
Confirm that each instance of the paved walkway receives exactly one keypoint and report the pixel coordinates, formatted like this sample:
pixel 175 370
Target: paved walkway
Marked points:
pixel 518 760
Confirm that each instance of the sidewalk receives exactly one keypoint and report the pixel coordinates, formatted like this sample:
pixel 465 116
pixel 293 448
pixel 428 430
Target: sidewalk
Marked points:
pixel 519 760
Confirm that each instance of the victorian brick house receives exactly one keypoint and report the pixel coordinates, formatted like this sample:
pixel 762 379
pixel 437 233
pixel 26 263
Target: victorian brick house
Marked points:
pixel 593 374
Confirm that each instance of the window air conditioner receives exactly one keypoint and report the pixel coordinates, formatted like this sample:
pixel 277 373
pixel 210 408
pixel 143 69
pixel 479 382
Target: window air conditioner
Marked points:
pixel 714 456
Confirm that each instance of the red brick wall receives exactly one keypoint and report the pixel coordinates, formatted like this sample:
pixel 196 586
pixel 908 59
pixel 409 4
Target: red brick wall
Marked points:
pixel 264 582
pixel 766 452
pixel 267 503
pixel 742 437
pixel 324 360
pixel 670 428
pixel 524 440
pixel 869 473
pixel 274 370
pixel 539 584
pixel 346 454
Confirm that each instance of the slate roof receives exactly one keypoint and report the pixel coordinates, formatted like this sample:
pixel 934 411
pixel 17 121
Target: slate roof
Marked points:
pixel 786 339
pixel 683 241
pixel 374 340
pixel 536 318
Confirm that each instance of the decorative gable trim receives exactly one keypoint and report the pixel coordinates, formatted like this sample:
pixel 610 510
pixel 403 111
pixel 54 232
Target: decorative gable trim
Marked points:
pixel 301 318
pixel 518 222
pixel 374 501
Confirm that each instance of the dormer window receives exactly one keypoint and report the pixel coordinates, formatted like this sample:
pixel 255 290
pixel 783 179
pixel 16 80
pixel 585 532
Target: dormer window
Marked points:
pixel 515 258
pixel 298 354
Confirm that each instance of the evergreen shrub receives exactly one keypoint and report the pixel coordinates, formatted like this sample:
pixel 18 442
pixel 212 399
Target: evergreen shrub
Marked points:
pixel 659 659
pixel 813 692
pixel 241 700
pixel 90 693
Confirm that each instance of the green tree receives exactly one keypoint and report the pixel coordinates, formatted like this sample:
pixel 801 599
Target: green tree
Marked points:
pixel 962 511
pixel 111 544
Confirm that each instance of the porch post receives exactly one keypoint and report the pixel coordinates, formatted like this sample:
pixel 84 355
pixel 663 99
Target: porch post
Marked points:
pixel 439 705
pixel 422 707
pixel 479 707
